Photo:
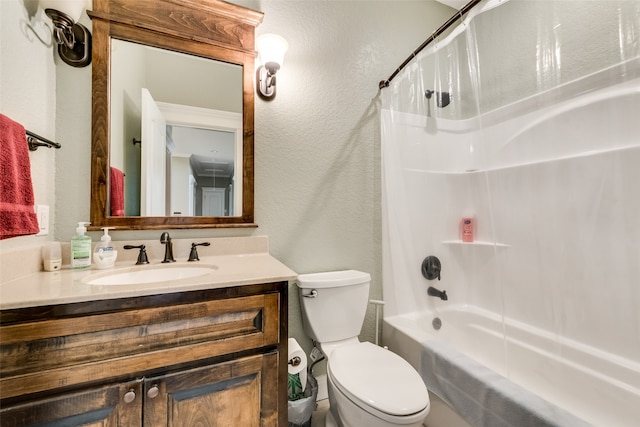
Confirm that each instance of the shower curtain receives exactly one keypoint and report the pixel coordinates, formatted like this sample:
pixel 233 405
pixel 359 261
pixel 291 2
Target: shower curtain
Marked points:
pixel 525 117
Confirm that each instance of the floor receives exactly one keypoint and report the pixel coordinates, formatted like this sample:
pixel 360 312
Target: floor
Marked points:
pixel 440 415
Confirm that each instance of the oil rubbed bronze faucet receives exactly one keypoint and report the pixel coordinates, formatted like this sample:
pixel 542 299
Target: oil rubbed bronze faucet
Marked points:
pixel 437 293
pixel 431 268
pixel 193 256
pixel 165 239
pixel 142 255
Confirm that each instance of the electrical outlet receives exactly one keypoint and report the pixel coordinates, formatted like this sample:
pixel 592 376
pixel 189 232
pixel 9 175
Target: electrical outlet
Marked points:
pixel 42 212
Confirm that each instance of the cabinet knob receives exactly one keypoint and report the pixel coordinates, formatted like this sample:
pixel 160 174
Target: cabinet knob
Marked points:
pixel 130 396
pixel 153 392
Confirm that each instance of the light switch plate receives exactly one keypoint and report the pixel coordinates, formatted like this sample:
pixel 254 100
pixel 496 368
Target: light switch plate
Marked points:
pixel 42 212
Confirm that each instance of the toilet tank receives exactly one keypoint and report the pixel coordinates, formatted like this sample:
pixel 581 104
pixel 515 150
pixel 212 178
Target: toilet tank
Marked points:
pixel 337 310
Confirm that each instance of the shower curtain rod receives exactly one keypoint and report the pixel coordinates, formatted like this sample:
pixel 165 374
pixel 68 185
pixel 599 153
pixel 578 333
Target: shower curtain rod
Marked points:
pixel 466 8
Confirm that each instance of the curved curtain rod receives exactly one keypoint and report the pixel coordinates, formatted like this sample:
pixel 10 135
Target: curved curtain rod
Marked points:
pixel 466 8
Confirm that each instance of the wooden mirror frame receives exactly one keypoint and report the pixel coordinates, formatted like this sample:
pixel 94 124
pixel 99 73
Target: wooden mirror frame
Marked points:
pixel 210 29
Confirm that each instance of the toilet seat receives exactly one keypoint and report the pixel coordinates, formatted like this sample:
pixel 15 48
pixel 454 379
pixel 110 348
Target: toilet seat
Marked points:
pixel 379 381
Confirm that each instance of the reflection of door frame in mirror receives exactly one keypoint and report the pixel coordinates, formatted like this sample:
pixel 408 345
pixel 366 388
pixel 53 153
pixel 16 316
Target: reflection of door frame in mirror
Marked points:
pixel 153 159
pixel 204 118
pixel 206 28
pixel 192 195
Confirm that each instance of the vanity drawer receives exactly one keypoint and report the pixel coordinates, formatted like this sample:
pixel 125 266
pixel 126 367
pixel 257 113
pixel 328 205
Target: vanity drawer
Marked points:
pixel 49 354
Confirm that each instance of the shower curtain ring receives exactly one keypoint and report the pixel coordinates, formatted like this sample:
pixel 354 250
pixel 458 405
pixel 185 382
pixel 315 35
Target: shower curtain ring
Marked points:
pixel 460 18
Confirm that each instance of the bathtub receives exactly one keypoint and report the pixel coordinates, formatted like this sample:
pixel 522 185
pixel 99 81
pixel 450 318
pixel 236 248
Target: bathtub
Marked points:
pixel 570 383
pixel 542 307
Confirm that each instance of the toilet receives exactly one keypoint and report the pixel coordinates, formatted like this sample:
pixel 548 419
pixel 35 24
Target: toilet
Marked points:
pixel 368 385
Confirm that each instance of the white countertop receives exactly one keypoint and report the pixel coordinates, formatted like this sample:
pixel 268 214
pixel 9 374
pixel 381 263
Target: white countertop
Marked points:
pixel 69 286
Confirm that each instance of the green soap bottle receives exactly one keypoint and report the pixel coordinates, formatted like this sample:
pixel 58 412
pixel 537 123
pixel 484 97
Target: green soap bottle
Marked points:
pixel 81 247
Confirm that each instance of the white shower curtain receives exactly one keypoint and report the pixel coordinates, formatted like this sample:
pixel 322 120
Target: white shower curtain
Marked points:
pixel 540 143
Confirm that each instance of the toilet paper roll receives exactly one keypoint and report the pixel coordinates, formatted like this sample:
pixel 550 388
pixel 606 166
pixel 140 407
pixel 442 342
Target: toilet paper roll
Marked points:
pixel 297 360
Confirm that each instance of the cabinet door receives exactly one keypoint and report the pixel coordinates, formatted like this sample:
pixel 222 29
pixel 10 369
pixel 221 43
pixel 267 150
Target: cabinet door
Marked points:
pixel 110 406
pixel 237 393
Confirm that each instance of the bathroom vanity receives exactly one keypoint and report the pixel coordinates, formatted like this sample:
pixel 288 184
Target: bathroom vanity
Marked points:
pixel 208 350
pixel 128 350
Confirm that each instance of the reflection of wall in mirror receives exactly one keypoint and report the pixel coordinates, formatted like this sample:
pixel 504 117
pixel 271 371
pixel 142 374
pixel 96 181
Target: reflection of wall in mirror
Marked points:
pixel 182 79
pixel 171 78
pixel 126 82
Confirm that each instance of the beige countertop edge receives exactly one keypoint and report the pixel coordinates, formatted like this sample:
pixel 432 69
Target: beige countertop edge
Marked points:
pixel 69 286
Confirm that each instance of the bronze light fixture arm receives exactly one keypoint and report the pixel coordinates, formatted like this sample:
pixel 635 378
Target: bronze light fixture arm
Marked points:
pixel 73 39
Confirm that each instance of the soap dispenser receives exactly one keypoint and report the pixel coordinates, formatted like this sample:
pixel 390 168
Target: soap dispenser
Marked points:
pixel 104 254
pixel 81 247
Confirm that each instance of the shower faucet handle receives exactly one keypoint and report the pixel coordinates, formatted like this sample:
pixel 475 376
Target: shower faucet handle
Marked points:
pixel 431 267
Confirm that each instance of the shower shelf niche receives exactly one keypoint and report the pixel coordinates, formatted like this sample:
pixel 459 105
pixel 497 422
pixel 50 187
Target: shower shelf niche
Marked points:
pixel 475 243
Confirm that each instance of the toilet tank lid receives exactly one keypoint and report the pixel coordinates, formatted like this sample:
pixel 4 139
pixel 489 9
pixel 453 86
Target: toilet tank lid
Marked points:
pixel 333 279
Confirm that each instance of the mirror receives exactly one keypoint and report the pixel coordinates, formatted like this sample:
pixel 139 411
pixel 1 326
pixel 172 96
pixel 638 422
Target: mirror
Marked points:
pixel 192 165
pixel 172 119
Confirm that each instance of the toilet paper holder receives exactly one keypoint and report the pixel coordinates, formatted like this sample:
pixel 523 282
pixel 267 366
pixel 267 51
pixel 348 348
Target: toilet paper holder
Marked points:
pixel 295 361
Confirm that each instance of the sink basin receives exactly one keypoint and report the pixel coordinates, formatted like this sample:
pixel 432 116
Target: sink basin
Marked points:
pixel 149 275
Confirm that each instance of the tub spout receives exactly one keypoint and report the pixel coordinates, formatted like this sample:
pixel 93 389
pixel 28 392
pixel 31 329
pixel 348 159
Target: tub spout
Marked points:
pixel 437 293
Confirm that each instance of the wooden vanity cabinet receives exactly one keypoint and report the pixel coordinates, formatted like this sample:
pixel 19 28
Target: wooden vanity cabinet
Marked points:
pixel 205 358
pixel 95 406
pixel 227 394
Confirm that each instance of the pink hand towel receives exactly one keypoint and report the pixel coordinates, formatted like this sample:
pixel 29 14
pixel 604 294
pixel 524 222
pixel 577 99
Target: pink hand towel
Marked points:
pixel 117 192
pixel 17 215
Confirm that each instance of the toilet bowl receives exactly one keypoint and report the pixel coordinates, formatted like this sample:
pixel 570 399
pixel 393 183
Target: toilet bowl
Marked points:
pixel 368 385
pixel 372 386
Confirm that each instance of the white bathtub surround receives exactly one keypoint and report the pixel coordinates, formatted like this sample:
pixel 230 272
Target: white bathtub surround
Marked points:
pixel 471 336
pixel 542 147
pixel 484 396
pixel 478 386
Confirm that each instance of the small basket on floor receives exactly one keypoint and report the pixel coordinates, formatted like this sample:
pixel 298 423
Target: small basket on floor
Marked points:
pixel 300 410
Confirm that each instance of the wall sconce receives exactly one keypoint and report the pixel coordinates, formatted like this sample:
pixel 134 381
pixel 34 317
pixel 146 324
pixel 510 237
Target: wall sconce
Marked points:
pixel 73 39
pixel 271 49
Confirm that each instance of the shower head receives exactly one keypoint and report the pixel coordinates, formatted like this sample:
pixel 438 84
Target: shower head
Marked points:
pixel 442 98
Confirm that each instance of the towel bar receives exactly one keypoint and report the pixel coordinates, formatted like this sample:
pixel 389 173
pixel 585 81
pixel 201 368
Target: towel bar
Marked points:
pixel 36 141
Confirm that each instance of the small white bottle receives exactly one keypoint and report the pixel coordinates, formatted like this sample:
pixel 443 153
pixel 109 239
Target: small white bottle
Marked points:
pixel 51 256
pixel 81 247
pixel 104 254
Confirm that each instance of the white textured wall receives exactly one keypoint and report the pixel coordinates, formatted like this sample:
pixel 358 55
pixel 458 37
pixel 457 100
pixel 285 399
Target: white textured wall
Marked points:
pixel 125 117
pixel 28 93
pixel 317 143
pixel 317 192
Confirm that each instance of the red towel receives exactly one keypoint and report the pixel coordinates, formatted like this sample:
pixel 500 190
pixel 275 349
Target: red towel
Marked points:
pixel 17 214
pixel 117 192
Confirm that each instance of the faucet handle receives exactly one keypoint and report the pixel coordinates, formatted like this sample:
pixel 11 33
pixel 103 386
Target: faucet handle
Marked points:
pixel 193 255
pixel 431 268
pixel 142 255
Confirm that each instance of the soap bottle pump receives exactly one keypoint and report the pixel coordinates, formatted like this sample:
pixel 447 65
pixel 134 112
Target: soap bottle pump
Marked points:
pixel 104 254
pixel 81 247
